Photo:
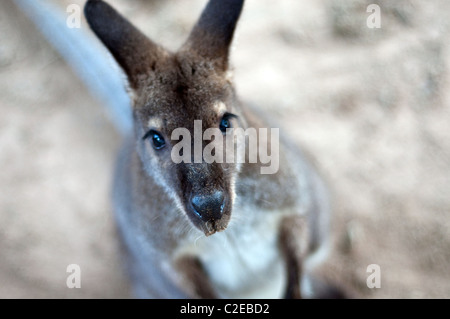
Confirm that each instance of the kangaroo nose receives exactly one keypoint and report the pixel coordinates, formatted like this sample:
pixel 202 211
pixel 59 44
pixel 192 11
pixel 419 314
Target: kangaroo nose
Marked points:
pixel 209 207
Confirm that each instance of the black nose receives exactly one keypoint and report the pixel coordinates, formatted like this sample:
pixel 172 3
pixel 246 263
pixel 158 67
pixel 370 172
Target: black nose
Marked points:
pixel 209 206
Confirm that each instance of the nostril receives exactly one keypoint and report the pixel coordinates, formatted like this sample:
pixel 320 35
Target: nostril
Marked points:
pixel 196 202
pixel 209 206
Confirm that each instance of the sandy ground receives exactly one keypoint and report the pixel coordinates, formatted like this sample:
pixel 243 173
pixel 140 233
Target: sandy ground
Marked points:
pixel 371 105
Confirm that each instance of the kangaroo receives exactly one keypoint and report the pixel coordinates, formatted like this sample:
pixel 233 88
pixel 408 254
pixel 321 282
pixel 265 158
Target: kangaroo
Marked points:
pixel 202 229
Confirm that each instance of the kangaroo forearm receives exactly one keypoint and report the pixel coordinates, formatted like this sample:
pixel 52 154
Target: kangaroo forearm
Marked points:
pixel 293 241
pixel 195 278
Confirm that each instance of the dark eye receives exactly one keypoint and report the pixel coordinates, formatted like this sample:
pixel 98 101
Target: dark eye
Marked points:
pixel 157 139
pixel 225 122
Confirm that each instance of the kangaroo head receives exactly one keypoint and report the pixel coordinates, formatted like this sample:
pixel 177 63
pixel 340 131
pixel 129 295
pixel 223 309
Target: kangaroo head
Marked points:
pixel 173 90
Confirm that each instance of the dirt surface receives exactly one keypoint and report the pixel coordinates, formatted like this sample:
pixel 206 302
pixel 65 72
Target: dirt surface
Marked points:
pixel 371 105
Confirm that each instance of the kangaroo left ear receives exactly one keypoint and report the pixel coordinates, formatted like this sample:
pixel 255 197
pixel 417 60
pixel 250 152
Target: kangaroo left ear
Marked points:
pixel 135 52
pixel 211 36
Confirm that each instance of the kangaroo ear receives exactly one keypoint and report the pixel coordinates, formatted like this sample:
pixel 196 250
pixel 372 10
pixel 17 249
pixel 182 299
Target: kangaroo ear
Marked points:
pixel 135 53
pixel 211 36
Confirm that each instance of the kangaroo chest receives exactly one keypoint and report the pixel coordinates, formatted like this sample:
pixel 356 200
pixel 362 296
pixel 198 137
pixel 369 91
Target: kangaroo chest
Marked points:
pixel 244 260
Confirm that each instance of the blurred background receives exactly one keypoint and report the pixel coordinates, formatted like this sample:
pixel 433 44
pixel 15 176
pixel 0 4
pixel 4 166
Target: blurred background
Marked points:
pixel 371 106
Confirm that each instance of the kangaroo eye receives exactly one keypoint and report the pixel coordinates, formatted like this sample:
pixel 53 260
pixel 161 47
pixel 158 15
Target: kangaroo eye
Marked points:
pixel 225 122
pixel 157 139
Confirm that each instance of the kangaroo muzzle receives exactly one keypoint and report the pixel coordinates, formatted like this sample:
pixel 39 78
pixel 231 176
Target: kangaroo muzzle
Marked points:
pixel 209 210
pixel 206 196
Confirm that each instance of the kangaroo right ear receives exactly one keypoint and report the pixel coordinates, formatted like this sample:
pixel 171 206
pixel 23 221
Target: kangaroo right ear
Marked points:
pixel 135 52
pixel 213 32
